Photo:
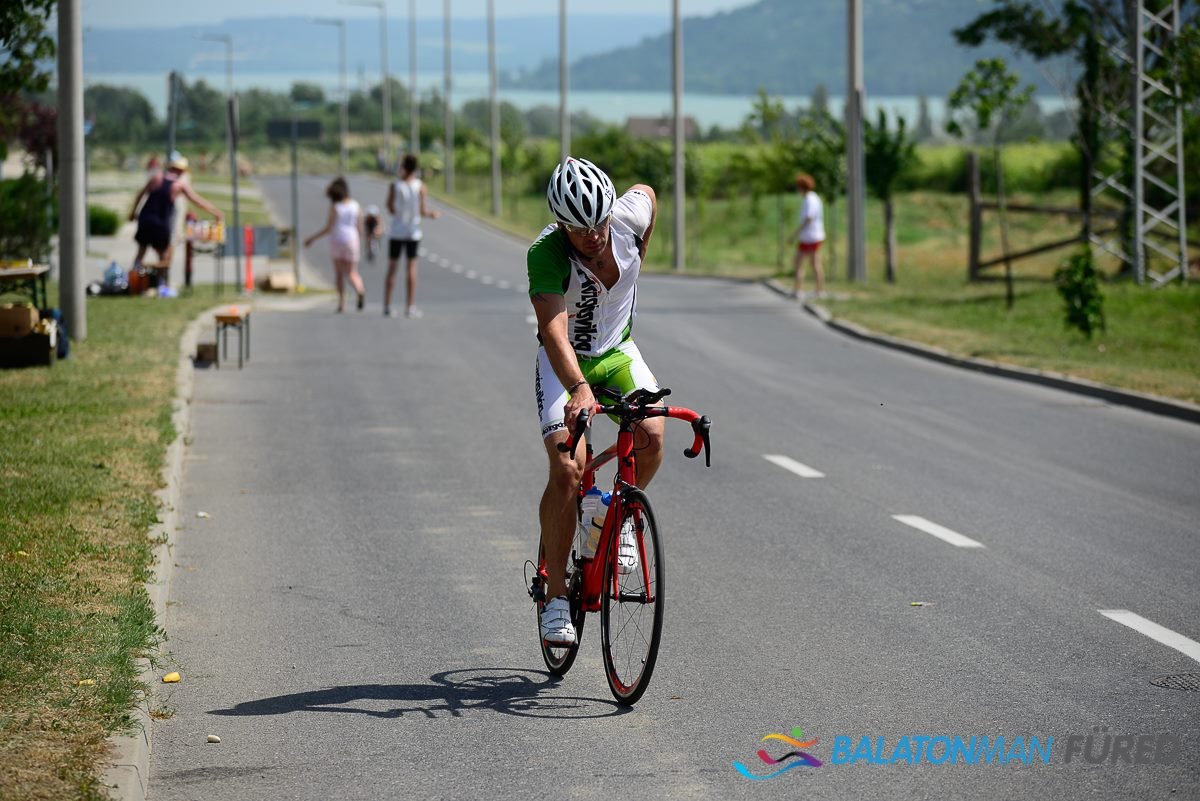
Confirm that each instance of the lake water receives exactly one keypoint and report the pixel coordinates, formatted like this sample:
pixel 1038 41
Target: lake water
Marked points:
pixel 726 111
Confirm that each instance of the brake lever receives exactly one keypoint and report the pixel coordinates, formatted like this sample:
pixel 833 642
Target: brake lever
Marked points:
pixel 581 423
pixel 701 427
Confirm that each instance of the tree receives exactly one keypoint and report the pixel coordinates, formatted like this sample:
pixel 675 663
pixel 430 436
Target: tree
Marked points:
pixel 27 48
pixel 201 115
pixel 305 92
pixel 120 115
pixel 1081 29
pixel 992 94
pixel 889 155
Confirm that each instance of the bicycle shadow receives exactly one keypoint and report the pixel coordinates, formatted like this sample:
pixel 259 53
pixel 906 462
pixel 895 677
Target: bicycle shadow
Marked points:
pixel 509 691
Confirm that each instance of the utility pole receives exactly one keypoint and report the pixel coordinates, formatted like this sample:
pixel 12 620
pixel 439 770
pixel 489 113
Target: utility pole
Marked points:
pixel 71 192
pixel 172 110
pixel 295 205
pixel 231 137
pixel 345 106
pixel 564 119
pixel 448 108
pixel 414 102
pixel 495 108
pixel 386 89
pixel 856 221
pixel 677 105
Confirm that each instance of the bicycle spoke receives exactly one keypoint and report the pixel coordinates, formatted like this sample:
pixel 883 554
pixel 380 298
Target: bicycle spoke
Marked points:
pixel 631 612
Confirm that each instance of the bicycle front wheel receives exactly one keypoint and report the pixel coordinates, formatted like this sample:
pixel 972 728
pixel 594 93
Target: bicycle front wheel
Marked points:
pixel 631 609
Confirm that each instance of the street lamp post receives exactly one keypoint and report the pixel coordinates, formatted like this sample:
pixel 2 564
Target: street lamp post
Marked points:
pixel 345 110
pixel 564 119
pixel 449 108
pixel 677 103
pixel 495 108
pixel 231 115
pixel 414 102
pixel 387 84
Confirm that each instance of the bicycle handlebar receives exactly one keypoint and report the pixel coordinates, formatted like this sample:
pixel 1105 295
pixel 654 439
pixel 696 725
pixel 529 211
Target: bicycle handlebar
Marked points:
pixel 641 409
pixel 581 424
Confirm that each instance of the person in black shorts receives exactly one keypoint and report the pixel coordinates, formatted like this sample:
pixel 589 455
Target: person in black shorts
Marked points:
pixel 406 202
pixel 156 216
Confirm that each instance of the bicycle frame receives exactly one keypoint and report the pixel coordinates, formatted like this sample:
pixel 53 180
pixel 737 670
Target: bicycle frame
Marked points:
pixel 592 571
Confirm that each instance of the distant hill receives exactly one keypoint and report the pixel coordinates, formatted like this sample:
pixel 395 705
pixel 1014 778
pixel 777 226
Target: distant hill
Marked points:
pixel 295 44
pixel 792 46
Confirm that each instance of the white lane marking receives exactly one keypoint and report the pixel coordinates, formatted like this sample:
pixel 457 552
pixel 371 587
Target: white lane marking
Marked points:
pixel 787 463
pixel 458 268
pixel 503 284
pixel 531 319
pixel 1171 639
pixel 487 279
pixel 941 532
pixel 472 274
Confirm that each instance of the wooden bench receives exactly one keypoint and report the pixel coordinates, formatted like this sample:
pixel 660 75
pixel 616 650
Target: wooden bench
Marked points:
pixel 238 318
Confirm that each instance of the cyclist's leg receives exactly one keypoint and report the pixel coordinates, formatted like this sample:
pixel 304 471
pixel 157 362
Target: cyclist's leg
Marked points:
pixel 557 510
pixel 627 371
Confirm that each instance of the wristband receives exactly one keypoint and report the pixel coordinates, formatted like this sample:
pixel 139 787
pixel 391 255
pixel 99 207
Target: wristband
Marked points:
pixel 576 385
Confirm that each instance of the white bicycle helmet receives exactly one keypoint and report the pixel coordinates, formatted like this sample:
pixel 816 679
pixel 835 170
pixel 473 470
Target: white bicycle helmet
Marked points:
pixel 580 194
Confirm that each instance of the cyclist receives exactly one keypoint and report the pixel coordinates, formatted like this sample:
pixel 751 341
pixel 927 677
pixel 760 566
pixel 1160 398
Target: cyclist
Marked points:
pixel 583 272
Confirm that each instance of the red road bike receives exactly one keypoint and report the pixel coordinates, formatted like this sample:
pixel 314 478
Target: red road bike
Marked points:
pixel 630 604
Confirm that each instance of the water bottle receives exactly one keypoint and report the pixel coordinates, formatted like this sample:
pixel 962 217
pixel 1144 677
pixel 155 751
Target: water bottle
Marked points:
pixel 593 509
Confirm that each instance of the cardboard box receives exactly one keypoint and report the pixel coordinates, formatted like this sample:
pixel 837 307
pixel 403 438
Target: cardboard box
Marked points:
pixel 17 320
pixel 278 281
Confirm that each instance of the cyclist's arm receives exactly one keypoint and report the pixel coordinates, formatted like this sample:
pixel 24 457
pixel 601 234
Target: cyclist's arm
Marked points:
pixel 391 201
pixel 649 192
pixel 551 311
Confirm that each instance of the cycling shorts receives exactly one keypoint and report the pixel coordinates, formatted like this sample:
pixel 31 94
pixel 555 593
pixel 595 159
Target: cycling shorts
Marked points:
pixel 621 368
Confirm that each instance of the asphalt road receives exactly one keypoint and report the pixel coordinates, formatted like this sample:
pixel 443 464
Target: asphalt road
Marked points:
pixel 351 616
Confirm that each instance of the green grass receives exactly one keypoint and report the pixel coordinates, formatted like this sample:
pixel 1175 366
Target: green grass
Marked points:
pixel 1152 341
pixel 81 450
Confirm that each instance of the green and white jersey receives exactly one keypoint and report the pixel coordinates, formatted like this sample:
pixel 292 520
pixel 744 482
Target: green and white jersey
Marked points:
pixel 598 318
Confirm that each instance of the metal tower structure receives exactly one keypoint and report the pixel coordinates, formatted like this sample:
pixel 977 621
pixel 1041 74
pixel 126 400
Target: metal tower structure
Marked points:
pixel 1144 113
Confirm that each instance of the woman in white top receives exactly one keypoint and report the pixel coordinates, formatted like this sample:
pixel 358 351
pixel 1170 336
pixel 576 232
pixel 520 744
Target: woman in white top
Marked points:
pixel 406 203
pixel 809 234
pixel 343 228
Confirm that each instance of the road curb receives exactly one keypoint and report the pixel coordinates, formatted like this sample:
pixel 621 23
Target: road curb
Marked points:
pixel 1179 410
pixel 127 775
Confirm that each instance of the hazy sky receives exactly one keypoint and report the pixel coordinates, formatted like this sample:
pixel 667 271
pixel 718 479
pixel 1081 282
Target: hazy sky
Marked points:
pixel 157 13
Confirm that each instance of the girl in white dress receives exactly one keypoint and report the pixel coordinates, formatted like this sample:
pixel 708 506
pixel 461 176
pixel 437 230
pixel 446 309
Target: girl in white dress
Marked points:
pixel 343 227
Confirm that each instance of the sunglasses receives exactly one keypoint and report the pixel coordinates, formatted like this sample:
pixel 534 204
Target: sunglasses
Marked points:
pixel 599 229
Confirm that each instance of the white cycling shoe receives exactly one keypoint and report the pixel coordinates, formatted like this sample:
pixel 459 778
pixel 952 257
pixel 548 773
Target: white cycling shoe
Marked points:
pixel 557 628
pixel 627 550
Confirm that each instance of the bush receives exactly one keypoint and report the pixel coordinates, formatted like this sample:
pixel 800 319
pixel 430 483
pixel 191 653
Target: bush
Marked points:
pixel 25 227
pixel 103 221
pixel 1080 290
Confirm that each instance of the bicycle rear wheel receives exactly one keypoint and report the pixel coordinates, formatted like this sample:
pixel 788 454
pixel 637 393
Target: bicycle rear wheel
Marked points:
pixel 559 658
pixel 631 609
